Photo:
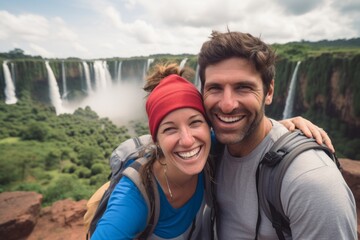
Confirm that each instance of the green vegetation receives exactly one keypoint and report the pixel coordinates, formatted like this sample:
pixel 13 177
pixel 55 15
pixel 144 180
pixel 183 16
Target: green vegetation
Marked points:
pixel 63 156
pixel 299 51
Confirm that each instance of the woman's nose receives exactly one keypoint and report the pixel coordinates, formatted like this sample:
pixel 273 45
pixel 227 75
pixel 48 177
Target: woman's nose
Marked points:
pixel 186 138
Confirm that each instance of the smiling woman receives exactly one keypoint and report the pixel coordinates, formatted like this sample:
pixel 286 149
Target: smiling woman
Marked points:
pixel 178 155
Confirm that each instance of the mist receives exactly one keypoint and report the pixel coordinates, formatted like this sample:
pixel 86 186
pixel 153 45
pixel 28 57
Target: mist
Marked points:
pixel 121 103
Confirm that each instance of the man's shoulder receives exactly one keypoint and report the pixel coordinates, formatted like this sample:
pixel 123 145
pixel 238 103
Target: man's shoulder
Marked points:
pixel 277 130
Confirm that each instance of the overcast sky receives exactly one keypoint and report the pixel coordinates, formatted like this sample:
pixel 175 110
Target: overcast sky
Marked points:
pixel 92 29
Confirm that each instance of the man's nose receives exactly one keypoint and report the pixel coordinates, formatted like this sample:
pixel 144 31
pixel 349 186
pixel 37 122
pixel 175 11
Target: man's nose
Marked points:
pixel 228 102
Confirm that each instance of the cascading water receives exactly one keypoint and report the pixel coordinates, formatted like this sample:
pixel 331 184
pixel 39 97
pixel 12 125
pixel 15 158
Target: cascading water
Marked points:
pixel 149 62
pixel 146 67
pixel 182 63
pixel 289 104
pixel 13 73
pixel 120 101
pixel 9 86
pixel 102 75
pixel 87 77
pixel 63 80
pixel 197 82
pixel 54 90
pixel 119 72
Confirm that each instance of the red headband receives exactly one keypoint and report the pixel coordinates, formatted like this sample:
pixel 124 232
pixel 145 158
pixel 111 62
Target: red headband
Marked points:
pixel 173 92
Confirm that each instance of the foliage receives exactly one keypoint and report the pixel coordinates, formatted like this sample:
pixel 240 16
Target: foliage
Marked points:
pixel 141 128
pixel 16 53
pixel 63 156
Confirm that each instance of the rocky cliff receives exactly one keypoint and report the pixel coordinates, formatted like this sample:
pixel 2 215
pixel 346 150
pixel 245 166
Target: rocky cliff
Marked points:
pixel 327 92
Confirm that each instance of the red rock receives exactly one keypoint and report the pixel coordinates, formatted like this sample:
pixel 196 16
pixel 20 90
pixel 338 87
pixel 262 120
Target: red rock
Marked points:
pixel 63 220
pixel 19 212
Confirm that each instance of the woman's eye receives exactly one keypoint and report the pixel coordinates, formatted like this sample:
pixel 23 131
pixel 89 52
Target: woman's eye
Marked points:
pixel 168 130
pixel 196 122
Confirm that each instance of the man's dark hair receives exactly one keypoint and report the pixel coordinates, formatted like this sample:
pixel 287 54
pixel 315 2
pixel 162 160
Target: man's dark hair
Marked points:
pixel 222 46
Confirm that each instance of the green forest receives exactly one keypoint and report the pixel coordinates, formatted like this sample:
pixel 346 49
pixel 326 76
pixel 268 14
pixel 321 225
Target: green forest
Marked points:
pixel 63 156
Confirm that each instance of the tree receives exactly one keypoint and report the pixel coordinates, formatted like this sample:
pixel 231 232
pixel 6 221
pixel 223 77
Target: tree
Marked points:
pixel 35 131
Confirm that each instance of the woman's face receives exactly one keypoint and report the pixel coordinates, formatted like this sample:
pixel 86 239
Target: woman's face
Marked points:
pixel 184 138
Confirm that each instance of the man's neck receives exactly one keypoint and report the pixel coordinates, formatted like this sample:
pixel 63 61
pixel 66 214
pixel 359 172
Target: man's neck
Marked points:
pixel 249 143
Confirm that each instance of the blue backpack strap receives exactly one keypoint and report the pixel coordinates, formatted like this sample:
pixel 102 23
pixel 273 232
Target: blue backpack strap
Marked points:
pixel 271 171
pixel 150 194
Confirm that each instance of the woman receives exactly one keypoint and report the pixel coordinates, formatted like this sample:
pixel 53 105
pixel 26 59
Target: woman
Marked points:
pixel 181 135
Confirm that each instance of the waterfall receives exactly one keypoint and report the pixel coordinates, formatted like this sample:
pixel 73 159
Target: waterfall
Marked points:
pixel 13 74
pixel 146 67
pixel 289 104
pixel 102 75
pixel 197 82
pixel 120 101
pixel 87 77
pixel 63 79
pixel 54 90
pixel 9 86
pixel 182 63
pixel 149 62
pixel 119 72
pixel 116 65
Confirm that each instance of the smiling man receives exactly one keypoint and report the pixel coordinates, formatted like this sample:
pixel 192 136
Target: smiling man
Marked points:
pixel 237 73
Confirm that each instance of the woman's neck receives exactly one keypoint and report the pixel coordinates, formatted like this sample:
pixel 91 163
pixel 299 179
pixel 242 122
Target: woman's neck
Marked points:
pixel 177 186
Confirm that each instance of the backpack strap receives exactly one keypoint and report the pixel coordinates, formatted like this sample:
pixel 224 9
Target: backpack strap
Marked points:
pixel 150 194
pixel 271 171
pixel 211 210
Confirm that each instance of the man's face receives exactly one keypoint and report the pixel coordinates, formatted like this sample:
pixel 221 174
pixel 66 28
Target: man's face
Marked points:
pixel 234 99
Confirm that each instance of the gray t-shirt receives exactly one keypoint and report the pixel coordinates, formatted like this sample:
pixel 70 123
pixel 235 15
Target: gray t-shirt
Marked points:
pixel 314 196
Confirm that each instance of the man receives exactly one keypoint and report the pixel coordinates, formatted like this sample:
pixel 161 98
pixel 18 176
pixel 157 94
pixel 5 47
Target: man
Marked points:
pixel 237 74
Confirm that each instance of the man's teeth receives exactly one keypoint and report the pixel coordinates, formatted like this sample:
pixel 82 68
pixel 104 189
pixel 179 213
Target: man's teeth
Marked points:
pixel 229 119
pixel 189 154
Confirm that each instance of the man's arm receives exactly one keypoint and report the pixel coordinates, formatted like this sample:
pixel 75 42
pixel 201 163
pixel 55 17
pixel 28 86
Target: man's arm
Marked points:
pixel 309 129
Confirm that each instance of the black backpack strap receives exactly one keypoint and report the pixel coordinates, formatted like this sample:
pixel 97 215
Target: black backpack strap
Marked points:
pixel 217 151
pixel 150 194
pixel 271 171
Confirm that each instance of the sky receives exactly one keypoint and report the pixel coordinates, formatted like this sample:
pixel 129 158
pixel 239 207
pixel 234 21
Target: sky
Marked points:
pixel 93 29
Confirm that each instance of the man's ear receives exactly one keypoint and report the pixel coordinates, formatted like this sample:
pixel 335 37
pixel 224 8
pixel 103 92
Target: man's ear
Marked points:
pixel 270 93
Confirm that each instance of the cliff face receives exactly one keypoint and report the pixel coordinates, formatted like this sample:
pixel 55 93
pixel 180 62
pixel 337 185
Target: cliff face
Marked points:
pixel 327 93
pixel 327 88
pixel 331 86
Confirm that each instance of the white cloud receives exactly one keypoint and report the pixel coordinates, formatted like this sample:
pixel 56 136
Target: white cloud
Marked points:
pixel 80 48
pixel 114 16
pixel 37 50
pixel 125 28
pixel 25 26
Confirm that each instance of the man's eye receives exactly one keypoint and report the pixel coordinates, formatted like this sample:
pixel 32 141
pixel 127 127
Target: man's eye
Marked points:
pixel 244 88
pixel 212 88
